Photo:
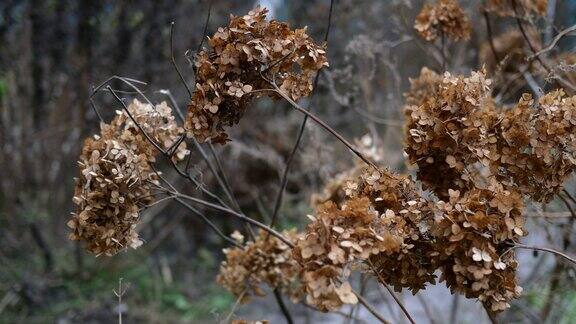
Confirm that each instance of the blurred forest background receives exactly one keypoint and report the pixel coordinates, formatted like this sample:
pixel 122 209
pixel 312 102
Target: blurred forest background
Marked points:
pixel 52 53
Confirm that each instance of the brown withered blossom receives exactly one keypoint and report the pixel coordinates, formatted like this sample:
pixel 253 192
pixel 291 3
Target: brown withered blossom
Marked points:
pixel 230 74
pixel 481 161
pixel 266 260
pixel 381 219
pixel 442 137
pixel 157 121
pixel 472 234
pixel 115 177
pixel 524 8
pixel 540 154
pixel 110 190
pixel 443 18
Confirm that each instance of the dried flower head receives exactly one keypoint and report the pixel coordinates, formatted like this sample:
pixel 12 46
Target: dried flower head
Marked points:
pixel 446 122
pixel 231 73
pixel 115 177
pixel 445 17
pixel 109 193
pixel 381 219
pixel 266 260
pixel 157 121
pixel 472 234
pixel 540 154
pixel 480 161
pixel 521 8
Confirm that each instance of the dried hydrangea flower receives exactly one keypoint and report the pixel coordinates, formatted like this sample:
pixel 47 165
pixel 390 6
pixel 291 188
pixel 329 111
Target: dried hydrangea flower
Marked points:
pixel 524 8
pixel 472 235
pixel 109 192
pixel 381 219
pixel 541 151
pixel 115 177
pixel 157 121
pixel 446 123
pixel 230 74
pixel 445 17
pixel 266 260
pixel 481 161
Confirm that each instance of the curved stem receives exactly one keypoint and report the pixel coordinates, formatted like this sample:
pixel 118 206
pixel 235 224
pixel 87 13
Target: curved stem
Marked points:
pixel 282 306
pixel 396 299
pixel 538 248
pixel 231 212
pixel 289 161
pixel 174 61
pixel 371 308
pixel 326 128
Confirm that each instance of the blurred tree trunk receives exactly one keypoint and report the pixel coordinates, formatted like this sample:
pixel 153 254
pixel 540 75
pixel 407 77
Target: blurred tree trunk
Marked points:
pixel 39 25
pixel 88 33
pixel 123 35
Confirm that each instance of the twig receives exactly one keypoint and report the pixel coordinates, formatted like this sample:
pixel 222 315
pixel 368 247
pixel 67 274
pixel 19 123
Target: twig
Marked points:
pixel 491 314
pixel 238 300
pixel 490 36
pixel 121 291
pixel 289 161
pixel 370 308
pixel 205 28
pixel 398 301
pixel 174 61
pixel 525 35
pixel 283 307
pixel 538 248
pixel 209 223
pixel 233 213
pixel 134 120
pixel 553 43
pixel 325 127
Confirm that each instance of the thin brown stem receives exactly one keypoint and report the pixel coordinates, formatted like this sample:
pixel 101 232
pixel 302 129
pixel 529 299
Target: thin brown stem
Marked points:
pixel 174 60
pixel 491 314
pixel 538 248
pixel 289 161
pixel 371 308
pixel 282 306
pixel 490 36
pixel 396 299
pixel 327 128
pixel 134 121
pixel 231 212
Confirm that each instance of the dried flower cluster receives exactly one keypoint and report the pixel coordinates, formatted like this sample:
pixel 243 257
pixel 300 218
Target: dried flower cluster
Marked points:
pixel 442 138
pixel 266 260
pixel 472 232
pixel 524 8
pixel 444 18
pixel 480 161
pixel 383 220
pixel 231 73
pixel 115 177
pixel 458 138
